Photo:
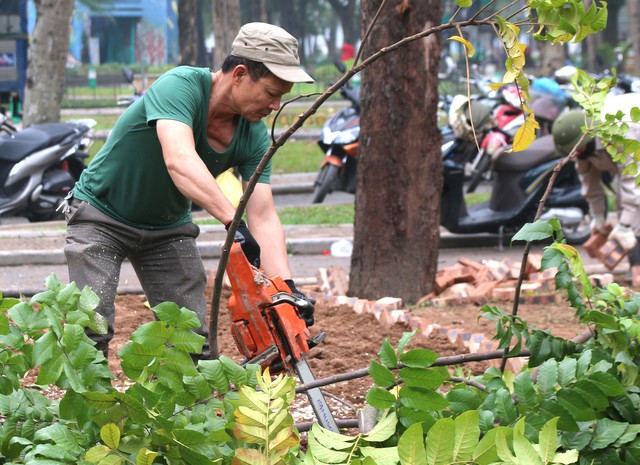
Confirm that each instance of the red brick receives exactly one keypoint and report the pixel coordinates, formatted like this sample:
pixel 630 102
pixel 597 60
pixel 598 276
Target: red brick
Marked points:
pixel 611 254
pixel 593 244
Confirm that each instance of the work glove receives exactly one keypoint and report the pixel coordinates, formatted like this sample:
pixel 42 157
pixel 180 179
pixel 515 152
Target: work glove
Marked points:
pixel 624 236
pixel 598 225
pixel 306 313
pixel 249 245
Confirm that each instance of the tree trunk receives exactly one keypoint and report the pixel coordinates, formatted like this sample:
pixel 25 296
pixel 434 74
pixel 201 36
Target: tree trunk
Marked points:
pixel 552 57
pixel 399 178
pixel 346 13
pixel 226 24
pixel 634 35
pixel 47 59
pixel 188 35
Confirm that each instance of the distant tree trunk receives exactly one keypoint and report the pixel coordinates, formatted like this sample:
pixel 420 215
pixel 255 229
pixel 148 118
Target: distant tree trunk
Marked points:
pixel 347 14
pixel 226 23
pixel 47 59
pixel 188 31
pixel 399 180
pixel 552 57
pixel 634 34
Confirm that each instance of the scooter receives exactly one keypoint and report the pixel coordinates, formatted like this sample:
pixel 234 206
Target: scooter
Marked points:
pixel 40 165
pixel 520 180
pixel 339 142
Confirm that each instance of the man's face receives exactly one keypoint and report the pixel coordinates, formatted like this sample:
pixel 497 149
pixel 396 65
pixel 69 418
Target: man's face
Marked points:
pixel 257 99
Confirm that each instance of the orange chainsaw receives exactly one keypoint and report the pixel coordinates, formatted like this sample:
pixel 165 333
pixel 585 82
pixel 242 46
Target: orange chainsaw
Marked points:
pixel 267 327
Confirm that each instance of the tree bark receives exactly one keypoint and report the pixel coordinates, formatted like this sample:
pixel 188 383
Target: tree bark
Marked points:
pixel 226 23
pixel 552 58
pixel 399 180
pixel 634 34
pixel 188 31
pixel 47 59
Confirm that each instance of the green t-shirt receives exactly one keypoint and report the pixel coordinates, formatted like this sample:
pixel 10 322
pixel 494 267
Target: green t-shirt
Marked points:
pixel 128 179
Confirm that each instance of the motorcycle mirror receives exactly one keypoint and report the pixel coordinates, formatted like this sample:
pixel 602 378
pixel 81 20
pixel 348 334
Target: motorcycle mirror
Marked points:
pixel 128 74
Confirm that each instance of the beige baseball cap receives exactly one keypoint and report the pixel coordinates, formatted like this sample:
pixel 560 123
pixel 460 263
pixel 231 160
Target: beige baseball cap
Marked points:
pixel 272 46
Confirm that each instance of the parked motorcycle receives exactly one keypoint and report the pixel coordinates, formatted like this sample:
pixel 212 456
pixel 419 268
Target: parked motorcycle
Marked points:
pixel 339 142
pixel 520 179
pixel 40 165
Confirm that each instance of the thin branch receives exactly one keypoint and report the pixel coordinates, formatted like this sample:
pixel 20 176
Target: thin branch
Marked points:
pixel 367 33
pixel 497 13
pixel 517 12
pixel 482 9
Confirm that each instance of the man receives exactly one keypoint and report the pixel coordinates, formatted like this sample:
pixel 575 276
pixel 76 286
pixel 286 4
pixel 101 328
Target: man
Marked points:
pixel 134 200
pixel 592 162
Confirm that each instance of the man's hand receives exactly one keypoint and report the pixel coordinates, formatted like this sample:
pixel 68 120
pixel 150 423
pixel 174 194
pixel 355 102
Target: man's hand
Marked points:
pixel 306 313
pixel 624 236
pixel 249 245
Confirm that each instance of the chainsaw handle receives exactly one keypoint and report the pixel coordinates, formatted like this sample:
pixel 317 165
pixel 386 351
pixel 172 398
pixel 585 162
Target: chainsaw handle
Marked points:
pixel 280 297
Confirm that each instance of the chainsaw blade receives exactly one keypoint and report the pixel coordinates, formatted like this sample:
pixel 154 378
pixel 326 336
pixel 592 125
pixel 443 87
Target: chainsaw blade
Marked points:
pixel 316 398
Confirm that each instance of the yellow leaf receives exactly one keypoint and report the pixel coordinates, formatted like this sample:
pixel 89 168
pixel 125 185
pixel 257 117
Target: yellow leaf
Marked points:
pixel 145 456
pixel 526 134
pixel 110 435
pixel 467 45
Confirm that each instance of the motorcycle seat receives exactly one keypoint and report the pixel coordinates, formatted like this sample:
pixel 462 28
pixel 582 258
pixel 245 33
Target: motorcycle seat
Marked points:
pixel 541 150
pixel 14 148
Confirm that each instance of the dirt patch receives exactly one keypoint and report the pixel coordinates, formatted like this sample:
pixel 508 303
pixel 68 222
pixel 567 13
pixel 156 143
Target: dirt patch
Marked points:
pixel 353 339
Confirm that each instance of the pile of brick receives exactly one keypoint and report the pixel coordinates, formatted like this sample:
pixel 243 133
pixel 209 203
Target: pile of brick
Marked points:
pixel 492 280
pixel 332 286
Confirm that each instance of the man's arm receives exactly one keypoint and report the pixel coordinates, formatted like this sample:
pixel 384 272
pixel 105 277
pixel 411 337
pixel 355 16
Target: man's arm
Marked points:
pixel 188 171
pixel 266 227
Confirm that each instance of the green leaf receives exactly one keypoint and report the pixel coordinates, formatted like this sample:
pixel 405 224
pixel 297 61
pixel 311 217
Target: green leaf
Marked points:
pixel 464 3
pixel 324 453
pixel 607 383
pixel 467 434
pixel 145 456
pixel 548 440
pixel 178 317
pixel 418 358
pixel 110 435
pixel 387 355
pixel 384 429
pixel 418 377
pixel 234 372
pixel 525 451
pixel 187 341
pixel 152 335
pixel 422 399
pixel 381 375
pixel 538 231
pixel 505 408
pixel 214 374
pixel 97 453
pixel 411 449
pixel 606 433
pixel 461 400
pixel 380 455
pixel 524 390
pixel 405 340
pixel 440 442
pixel 548 378
pixel 380 398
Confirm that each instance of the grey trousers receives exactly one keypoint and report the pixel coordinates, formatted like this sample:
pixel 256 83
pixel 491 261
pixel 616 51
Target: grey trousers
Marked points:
pixel 167 263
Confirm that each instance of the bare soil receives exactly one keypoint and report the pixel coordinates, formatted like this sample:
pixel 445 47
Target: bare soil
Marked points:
pixel 352 340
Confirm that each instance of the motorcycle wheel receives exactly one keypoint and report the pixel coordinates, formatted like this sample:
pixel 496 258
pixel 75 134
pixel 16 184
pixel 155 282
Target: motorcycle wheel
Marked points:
pixel 579 234
pixel 325 182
